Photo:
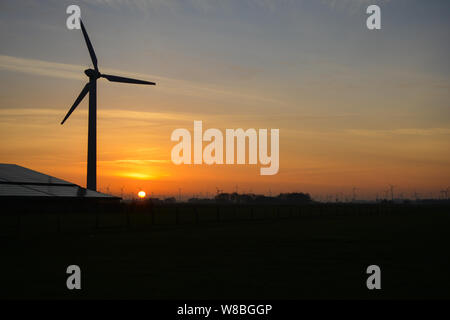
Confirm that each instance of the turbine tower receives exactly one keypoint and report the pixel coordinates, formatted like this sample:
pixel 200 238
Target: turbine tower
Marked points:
pixel 91 87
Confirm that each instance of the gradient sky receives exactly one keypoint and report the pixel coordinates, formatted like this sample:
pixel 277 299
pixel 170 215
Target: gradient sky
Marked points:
pixel 354 107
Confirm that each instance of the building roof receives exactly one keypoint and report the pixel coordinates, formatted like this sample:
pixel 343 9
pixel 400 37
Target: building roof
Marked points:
pixel 17 181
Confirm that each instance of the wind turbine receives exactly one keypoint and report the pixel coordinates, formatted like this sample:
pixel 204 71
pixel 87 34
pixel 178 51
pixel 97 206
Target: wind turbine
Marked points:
pixel 391 188
pixel 354 193
pixel 91 87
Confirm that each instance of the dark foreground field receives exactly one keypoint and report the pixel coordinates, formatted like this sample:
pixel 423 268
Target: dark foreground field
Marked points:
pixel 292 257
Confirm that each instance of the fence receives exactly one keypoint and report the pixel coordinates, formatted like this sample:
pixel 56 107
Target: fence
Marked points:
pixel 142 215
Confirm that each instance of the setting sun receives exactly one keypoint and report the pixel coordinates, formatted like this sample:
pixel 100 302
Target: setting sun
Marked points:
pixel 141 194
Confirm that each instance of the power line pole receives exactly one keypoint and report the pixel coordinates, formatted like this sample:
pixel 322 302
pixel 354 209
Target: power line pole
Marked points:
pixel 354 194
pixel 391 187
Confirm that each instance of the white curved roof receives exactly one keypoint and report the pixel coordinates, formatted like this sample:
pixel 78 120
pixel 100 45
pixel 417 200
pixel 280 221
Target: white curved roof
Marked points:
pixel 17 181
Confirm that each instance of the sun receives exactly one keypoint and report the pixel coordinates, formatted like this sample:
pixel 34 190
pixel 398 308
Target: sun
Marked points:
pixel 141 194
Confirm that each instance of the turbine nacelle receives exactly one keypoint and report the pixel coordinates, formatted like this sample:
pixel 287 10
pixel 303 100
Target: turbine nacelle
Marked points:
pixel 91 73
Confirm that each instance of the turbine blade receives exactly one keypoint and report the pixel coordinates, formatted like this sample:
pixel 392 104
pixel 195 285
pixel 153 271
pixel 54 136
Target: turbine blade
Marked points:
pixel 89 45
pixel 126 80
pixel 77 102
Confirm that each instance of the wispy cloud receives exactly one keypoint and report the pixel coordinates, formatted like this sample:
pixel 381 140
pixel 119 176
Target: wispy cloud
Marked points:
pixel 164 84
pixel 135 161
pixel 404 131
pixel 146 6
pixel 353 5
pixel 200 5
pixel 106 114
pixel 39 67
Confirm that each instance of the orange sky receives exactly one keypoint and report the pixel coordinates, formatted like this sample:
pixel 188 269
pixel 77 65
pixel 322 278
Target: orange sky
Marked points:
pixel 353 108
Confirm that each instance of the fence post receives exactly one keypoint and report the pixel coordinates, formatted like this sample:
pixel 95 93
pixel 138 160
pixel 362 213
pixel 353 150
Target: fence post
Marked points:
pixel 218 213
pixel 177 213
pixel 19 222
pixel 58 221
pixel 97 220
pixel 196 215
pixel 127 213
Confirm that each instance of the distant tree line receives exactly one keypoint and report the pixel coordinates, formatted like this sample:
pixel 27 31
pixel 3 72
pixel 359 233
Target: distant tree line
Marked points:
pixel 296 197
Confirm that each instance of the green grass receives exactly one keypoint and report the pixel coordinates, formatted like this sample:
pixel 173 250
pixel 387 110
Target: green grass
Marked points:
pixel 291 258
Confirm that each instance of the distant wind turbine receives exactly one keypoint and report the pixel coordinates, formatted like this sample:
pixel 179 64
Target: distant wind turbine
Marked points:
pixel 91 87
pixel 354 193
pixel 391 188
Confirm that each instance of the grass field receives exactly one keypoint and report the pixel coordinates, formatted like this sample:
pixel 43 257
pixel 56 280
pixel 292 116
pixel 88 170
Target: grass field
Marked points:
pixel 284 256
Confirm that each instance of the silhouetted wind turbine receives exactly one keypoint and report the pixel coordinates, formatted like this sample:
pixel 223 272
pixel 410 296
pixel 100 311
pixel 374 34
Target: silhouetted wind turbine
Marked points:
pixel 91 87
